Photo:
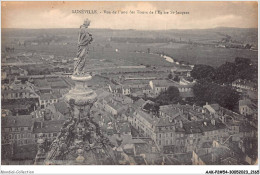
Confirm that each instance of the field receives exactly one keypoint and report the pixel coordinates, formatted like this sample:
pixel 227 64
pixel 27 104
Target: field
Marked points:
pixel 192 46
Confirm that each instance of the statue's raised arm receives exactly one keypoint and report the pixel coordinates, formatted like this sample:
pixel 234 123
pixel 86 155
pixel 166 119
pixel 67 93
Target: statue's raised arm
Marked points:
pixel 84 39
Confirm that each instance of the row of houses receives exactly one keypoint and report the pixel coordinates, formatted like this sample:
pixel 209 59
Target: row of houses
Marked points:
pixel 243 152
pixel 242 85
pixel 24 129
pixel 183 128
pixel 154 88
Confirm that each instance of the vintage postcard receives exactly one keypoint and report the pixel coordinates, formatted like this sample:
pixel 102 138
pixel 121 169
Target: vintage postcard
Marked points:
pixel 130 83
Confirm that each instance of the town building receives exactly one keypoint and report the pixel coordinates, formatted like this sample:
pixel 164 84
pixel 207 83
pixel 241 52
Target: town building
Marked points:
pixel 17 130
pixel 17 90
pixel 123 89
pixel 242 85
pixel 179 128
pixel 216 155
pixel 159 86
pixel 247 107
pixel 48 128
pixel 48 99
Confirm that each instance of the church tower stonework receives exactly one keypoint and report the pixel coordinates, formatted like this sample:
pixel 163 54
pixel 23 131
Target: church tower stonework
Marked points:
pixel 80 140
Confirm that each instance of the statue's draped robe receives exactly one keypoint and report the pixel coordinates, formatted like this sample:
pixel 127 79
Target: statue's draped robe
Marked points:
pixel 84 40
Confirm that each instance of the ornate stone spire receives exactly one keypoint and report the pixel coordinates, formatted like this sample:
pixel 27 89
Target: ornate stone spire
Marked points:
pixel 80 140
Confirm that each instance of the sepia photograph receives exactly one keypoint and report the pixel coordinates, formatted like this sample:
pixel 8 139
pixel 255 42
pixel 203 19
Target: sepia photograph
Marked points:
pixel 162 83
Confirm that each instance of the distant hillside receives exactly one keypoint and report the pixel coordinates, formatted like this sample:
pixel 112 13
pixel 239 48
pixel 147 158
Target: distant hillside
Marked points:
pixel 248 35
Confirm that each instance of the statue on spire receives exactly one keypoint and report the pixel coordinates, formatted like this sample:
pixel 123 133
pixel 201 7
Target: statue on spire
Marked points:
pixel 84 39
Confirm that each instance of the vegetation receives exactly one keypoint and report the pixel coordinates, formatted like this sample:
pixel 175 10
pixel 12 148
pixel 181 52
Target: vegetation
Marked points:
pixel 152 107
pixel 170 96
pixel 209 87
pixel 226 73
pixel 210 92
pixel 176 78
pixel 203 72
pixel 170 76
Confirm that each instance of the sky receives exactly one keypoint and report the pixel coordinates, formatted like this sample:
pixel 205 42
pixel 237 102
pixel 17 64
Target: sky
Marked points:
pixel 59 14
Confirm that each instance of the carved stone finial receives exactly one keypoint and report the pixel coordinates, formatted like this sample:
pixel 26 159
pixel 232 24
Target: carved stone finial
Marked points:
pixel 84 39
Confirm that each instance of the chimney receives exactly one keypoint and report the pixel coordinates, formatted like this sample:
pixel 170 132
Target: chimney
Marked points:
pixel 207 103
pixel 213 122
pixel 41 124
pixel 181 124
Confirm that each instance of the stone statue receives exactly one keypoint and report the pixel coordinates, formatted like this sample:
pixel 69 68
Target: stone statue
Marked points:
pixel 85 38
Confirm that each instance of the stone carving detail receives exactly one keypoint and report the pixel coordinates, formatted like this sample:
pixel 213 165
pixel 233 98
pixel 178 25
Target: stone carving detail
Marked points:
pixel 84 39
pixel 78 137
pixel 80 140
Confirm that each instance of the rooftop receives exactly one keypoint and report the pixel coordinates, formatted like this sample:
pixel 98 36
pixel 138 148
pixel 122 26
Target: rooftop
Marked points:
pixel 202 126
pixel 48 126
pixel 17 121
pixel 62 107
pixel 48 96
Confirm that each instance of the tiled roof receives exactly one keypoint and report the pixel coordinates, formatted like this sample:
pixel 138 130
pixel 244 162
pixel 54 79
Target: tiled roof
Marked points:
pixel 124 127
pixel 47 96
pixel 214 157
pixel 163 83
pixel 164 122
pixel 139 103
pixel 187 94
pixel 7 91
pixel 17 121
pixel 199 126
pixel 169 110
pixel 62 107
pixel 246 127
pixel 244 102
pixel 58 84
pixel 48 126
pixel 41 83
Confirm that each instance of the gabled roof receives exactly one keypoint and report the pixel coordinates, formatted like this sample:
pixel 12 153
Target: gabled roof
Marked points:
pixel 244 102
pixel 202 126
pixel 215 156
pixel 17 121
pixel 51 126
pixel 169 110
pixel 139 103
pixel 164 121
pixel 62 107
pixel 47 96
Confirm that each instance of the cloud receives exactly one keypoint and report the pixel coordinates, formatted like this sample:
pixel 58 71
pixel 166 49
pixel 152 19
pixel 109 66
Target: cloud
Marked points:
pixel 57 18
